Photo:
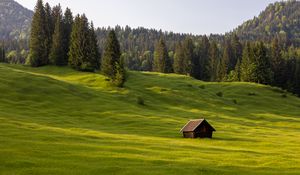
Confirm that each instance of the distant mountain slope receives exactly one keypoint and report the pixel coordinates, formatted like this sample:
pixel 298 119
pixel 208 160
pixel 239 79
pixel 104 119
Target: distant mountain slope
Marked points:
pixel 15 20
pixel 280 18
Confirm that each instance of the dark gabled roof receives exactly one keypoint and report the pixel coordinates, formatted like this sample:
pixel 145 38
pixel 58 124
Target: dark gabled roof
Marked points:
pixel 193 124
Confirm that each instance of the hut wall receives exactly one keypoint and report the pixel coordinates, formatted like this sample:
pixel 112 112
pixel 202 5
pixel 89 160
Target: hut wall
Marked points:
pixel 188 135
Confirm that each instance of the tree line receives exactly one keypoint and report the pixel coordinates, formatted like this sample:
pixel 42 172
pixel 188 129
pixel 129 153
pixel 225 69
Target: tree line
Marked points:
pixel 210 58
pixel 60 39
pixel 259 62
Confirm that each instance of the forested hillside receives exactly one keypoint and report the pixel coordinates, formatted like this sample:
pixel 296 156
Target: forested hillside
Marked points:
pixel 281 18
pixel 263 50
pixel 15 20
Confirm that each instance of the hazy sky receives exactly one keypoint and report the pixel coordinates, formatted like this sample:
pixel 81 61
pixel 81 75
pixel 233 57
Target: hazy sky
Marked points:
pixel 184 16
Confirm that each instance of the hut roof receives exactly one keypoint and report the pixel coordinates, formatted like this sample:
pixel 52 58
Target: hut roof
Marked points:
pixel 193 124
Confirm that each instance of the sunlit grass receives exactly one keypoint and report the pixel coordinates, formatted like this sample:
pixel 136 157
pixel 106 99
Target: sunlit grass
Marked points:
pixel 58 121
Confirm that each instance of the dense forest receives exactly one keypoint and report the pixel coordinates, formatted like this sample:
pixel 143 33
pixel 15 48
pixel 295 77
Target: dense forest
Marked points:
pixel 210 58
pixel 60 39
pixel 263 50
pixel 278 19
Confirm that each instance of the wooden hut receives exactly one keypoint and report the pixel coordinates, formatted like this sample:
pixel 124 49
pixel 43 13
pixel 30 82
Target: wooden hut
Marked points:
pixel 197 129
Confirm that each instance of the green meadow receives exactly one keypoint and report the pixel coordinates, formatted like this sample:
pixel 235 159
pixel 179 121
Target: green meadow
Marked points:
pixel 59 121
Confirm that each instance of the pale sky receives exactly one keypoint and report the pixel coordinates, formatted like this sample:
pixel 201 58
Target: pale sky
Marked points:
pixel 183 16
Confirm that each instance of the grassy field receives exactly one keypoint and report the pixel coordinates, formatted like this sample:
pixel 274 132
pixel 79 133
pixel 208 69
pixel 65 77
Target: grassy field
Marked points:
pixel 59 121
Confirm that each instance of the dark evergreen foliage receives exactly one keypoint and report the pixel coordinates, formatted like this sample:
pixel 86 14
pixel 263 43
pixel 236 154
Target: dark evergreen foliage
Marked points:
pixel 274 60
pixel 38 39
pixel 57 50
pixel 188 55
pixel 82 53
pixel 111 56
pixel 2 54
pixel 214 61
pixel 263 72
pixel 50 26
pixel 112 65
pixel 67 29
pixel 277 63
pixel 161 61
pixel 178 65
pixel 204 59
pixel 224 68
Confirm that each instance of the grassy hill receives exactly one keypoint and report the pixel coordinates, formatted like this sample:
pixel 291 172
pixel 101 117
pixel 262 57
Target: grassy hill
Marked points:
pixel 59 121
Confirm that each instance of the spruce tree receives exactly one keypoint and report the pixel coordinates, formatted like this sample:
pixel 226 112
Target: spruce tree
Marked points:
pixel 264 73
pixel 178 65
pixel 111 55
pixel 197 68
pixel 290 57
pixel 204 59
pixel 67 29
pixel 190 64
pixel 80 56
pixel 236 52
pixel 75 50
pixel 277 63
pixel 224 63
pixel 57 50
pixel 111 65
pixel 213 61
pixel 248 64
pixel 161 61
pixel 93 54
pixel 38 39
pixel 55 13
pixel 49 26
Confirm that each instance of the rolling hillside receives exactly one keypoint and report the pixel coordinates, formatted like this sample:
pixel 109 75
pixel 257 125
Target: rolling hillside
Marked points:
pixel 59 121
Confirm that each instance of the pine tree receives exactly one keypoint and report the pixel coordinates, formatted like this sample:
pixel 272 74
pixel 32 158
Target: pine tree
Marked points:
pixel 197 61
pixel 75 49
pixel 213 61
pixel 55 13
pixel 263 72
pixel 248 64
pixel 161 61
pixel 224 64
pixel 49 27
pixel 81 54
pixel 38 42
pixel 204 59
pixel 178 65
pixel 94 55
pixel 236 51
pixel 189 62
pixel 57 50
pixel 111 56
pixel 290 57
pixel 67 29
pixel 277 63
pixel 112 65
